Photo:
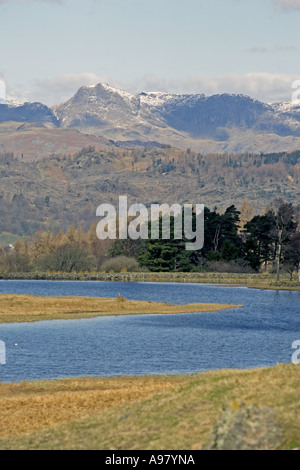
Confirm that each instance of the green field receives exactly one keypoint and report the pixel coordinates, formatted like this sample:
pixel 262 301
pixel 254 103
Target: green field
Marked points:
pixel 9 238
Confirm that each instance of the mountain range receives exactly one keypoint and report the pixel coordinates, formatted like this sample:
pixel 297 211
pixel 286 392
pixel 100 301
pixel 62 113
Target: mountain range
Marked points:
pixel 218 123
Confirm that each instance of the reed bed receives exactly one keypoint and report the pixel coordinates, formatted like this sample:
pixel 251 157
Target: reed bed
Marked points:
pixel 28 308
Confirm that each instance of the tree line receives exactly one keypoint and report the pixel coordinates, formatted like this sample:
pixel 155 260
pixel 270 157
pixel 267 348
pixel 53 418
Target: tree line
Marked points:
pixel 267 241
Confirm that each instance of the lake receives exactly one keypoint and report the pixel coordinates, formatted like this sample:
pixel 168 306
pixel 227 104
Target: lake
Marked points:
pixel 259 334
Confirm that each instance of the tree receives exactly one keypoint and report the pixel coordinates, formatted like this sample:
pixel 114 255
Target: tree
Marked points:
pixel 166 255
pixel 251 253
pixel 128 247
pixel 230 227
pixel 18 261
pixel 219 229
pixel 246 213
pixel 258 247
pixel 284 227
pixel 68 258
pixel 292 255
pixel 229 251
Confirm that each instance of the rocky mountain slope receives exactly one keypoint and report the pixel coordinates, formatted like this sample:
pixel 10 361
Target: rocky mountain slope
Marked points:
pixel 28 112
pixel 218 123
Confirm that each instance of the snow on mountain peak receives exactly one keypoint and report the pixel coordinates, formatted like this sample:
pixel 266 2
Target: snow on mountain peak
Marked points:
pixel 286 105
pixel 156 98
pixel 119 91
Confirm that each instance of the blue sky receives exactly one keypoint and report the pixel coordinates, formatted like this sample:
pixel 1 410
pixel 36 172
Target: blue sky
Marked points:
pixel 49 48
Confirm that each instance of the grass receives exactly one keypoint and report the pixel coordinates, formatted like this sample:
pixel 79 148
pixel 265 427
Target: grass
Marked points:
pixel 132 413
pixel 255 280
pixel 142 413
pixel 26 407
pixel 28 308
pixel 9 238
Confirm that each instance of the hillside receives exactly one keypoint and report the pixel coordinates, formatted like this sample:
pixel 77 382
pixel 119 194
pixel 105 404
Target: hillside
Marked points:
pixel 32 141
pixel 58 191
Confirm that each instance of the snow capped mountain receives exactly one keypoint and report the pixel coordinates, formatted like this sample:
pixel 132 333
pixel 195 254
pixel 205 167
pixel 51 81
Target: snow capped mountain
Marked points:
pixel 28 112
pixel 104 109
pixel 227 121
pixel 153 99
pixel 13 103
pixel 289 109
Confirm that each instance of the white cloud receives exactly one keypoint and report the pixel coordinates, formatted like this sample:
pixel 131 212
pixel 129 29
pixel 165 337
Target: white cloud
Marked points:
pixel 2 91
pixel 55 90
pixel 274 49
pixel 263 86
pixel 60 89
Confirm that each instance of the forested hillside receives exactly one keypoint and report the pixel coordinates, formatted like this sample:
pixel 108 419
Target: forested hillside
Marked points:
pixel 59 191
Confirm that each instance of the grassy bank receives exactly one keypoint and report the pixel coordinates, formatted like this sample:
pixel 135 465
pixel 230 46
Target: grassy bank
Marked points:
pixel 258 281
pixel 27 308
pixel 174 413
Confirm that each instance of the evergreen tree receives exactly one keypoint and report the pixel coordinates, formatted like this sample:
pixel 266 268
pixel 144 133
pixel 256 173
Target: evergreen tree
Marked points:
pixel 292 254
pixel 166 255
pixel 258 246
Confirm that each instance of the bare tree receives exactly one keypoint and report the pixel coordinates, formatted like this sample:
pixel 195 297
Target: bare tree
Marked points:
pixel 284 227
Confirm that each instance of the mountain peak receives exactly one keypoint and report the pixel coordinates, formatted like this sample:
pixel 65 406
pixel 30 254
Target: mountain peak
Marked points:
pixel 221 122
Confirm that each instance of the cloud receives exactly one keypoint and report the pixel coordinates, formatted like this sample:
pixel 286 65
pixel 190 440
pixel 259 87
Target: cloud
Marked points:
pixel 262 86
pixel 287 4
pixel 2 91
pixel 258 50
pixel 57 89
pixel 284 5
pixel 27 1
pixel 61 88
pixel 274 49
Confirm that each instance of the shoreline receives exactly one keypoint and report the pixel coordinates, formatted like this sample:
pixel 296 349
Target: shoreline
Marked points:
pixel 254 281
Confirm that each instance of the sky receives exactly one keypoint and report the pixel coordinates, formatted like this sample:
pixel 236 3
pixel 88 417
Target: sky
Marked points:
pixel 50 48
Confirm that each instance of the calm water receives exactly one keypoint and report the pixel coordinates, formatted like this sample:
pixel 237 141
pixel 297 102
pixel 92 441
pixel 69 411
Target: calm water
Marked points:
pixel 259 334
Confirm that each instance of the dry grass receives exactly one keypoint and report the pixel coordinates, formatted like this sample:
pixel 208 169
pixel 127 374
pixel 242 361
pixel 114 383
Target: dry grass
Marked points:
pixel 27 308
pixel 27 407
pixel 154 413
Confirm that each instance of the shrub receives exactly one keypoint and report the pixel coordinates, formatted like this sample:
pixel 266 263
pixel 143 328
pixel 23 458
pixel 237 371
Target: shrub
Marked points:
pixel 67 258
pixel 120 264
pixel 237 266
